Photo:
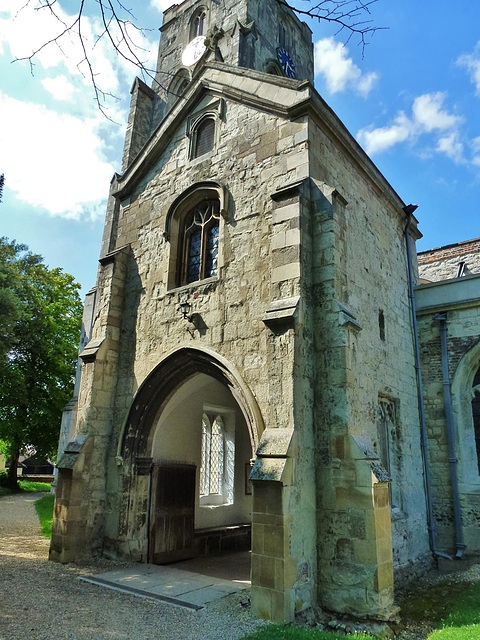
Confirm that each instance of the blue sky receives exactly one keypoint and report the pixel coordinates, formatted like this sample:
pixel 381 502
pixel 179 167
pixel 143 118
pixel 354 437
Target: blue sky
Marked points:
pixel 412 102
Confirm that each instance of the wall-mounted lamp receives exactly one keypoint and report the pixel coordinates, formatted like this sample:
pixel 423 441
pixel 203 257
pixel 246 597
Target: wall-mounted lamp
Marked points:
pixel 184 308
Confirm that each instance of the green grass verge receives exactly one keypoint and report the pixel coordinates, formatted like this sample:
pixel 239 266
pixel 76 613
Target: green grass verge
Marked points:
pixel 462 609
pixel 31 486
pixel 452 609
pixel 465 632
pixel 44 509
pixel 27 486
pixel 276 632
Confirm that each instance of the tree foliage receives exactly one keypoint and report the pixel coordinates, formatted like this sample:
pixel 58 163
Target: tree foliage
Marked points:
pixel 40 321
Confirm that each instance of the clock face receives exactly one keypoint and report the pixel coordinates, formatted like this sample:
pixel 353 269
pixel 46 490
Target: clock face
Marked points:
pixel 193 51
pixel 286 63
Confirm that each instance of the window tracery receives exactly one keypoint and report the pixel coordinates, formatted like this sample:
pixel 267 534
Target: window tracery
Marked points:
pixel 198 23
pixel 201 234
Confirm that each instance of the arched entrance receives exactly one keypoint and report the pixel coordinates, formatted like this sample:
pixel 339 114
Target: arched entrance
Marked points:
pixel 192 430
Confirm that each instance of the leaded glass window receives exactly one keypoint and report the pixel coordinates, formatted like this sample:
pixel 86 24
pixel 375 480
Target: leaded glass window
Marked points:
pixel 201 233
pixel 212 456
pixel 216 456
pixel 205 461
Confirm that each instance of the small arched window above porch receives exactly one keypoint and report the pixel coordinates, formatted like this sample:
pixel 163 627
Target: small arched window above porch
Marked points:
pixel 203 137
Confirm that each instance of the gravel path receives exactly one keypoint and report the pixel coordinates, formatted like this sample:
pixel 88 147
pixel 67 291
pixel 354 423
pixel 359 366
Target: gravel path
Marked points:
pixel 42 600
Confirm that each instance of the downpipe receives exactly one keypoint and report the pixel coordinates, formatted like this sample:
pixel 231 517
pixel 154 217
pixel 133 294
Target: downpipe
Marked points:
pixel 452 457
pixel 409 209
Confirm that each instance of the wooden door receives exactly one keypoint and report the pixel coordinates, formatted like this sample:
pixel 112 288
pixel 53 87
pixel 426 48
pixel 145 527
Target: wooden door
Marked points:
pixel 173 509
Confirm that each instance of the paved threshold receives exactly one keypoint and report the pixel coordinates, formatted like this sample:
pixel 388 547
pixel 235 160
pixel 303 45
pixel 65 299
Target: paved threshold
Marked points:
pixel 168 584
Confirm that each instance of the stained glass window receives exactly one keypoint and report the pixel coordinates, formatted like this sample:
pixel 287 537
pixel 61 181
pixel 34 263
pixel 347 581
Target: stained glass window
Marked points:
pixel 201 235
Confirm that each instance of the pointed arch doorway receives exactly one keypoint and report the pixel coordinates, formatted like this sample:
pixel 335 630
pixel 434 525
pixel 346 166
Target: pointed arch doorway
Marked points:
pixel 201 450
pixel 196 425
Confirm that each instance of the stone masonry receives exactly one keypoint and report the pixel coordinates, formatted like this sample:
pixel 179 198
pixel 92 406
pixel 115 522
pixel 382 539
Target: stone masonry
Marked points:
pixel 300 343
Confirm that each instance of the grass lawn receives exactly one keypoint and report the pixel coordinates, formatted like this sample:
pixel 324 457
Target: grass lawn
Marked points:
pixel 44 509
pixel 462 619
pixel 451 610
pixel 276 632
pixel 28 486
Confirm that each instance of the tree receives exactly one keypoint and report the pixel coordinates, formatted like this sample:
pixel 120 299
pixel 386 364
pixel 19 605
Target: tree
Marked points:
pixel 38 351
pixel 120 28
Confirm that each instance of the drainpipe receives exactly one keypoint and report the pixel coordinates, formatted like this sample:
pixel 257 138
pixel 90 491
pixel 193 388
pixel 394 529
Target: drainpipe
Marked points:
pixel 409 209
pixel 452 458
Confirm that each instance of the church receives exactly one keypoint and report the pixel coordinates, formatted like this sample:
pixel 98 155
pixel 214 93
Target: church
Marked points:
pixel 250 358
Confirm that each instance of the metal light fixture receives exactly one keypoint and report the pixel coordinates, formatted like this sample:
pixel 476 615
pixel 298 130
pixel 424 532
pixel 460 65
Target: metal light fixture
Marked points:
pixel 184 308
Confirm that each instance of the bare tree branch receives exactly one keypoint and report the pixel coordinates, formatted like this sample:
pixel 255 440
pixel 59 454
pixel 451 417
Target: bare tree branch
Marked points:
pixel 346 14
pixel 118 24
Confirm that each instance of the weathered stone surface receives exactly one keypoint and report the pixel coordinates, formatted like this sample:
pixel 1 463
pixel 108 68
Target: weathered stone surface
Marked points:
pixel 297 347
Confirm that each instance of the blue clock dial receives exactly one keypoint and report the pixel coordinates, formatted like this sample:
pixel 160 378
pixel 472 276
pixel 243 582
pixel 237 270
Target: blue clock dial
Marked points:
pixel 286 63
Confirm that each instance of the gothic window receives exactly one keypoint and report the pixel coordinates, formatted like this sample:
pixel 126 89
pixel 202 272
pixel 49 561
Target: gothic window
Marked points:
pixel 200 242
pixel 387 435
pixel 273 68
pixel 203 136
pixel 198 24
pixel 177 87
pixel 212 459
pixel 476 415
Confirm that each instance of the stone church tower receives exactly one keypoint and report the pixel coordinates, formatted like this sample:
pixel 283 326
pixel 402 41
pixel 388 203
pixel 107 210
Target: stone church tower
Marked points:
pixel 249 373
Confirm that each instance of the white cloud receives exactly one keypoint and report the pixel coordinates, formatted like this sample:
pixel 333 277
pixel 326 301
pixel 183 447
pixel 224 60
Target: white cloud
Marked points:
pixel 471 61
pixel 428 113
pixel 378 140
pixel 475 144
pixel 451 146
pixel 163 5
pixel 339 71
pixel 53 160
pixel 428 116
pixel 60 88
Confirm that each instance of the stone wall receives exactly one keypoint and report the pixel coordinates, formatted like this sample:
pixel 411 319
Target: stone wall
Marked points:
pixel 454 301
pixel 309 313
pixel 444 262
pixel 360 276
